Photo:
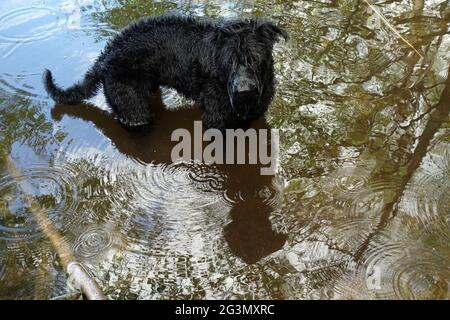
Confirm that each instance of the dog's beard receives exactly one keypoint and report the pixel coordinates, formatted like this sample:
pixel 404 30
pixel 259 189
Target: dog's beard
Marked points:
pixel 246 103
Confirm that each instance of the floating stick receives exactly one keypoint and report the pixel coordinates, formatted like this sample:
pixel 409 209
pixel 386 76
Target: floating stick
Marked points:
pixel 73 268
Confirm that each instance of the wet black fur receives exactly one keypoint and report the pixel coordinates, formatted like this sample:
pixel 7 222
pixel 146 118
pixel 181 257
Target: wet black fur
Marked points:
pixel 197 58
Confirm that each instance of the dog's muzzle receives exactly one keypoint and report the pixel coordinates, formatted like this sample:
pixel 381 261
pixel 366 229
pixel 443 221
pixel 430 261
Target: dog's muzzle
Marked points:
pixel 243 91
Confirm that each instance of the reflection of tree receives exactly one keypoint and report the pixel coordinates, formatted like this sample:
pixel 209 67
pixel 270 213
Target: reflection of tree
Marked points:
pixel 396 78
pixel 432 115
pixel 381 102
pixel 22 121
pixel 126 11
pixel 437 117
pixel 129 10
pixel 360 89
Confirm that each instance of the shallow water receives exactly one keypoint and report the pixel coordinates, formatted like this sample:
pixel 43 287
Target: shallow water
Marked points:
pixel 359 207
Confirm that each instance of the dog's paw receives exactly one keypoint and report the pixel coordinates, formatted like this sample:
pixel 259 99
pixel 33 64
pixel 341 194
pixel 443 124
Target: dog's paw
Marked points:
pixel 136 123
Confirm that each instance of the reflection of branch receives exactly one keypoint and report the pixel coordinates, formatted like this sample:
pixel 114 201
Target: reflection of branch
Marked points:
pixel 419 80
pixel 332 246
pixel 392 27
pixel 420 117
pixel 438 115
pixel 345 32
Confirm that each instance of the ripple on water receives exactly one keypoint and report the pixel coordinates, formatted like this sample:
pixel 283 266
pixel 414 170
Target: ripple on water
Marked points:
pixel 349 233
pixel 351 178
pixel 30 24
pixel 25 25
pixel 149 203
pixel 421 279
pixel 348 184
pixel 166 202
pixel 16 85
pixel 427 197
pixel 92 242
pixel 53 188
pixel 206 177
pixel 181 179
pixel 361 191
pixel 374 198
pixel 397 269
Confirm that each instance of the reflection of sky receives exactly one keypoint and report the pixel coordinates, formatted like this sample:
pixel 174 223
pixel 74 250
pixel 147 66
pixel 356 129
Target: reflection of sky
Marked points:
pixel 13 4
pixel 73 11
pixel 53 32
pixel 440 64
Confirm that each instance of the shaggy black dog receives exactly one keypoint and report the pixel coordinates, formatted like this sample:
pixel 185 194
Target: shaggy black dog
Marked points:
pixel 226 67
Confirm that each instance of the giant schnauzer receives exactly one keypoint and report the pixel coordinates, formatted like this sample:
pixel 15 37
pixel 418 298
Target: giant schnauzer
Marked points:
pixel 225 67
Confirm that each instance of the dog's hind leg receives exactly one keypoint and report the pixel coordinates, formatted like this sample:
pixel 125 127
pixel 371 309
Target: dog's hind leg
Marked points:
pixel 129 100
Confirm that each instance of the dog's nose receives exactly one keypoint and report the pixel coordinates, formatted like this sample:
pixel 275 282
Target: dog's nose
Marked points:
pixel 243 81
pixel 247 94
pixel 244 85
pixel 243 90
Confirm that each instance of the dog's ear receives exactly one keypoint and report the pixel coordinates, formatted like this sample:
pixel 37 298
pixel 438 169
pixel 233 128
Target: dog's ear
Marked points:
pixel 272 32
pixel 233 28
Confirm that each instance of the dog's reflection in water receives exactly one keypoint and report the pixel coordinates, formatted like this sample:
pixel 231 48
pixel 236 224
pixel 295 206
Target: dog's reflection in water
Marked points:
pixel 249 235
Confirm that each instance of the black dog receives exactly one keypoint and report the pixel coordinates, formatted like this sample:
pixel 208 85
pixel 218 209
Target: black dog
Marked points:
pixel 225 67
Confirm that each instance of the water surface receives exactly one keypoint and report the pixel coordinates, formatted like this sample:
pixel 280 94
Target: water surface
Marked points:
pixel 360 205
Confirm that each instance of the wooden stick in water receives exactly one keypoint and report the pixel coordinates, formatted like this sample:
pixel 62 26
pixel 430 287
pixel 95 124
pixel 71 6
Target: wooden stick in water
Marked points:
pixel 73 268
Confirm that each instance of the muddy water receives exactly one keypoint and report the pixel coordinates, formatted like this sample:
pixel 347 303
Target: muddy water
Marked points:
pixel 359 206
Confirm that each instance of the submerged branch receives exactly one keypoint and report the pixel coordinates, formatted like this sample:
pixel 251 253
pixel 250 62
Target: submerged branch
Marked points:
pixel 73 268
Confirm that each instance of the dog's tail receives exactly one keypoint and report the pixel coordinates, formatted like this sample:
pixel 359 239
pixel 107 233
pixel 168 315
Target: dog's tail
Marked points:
pixel 80 91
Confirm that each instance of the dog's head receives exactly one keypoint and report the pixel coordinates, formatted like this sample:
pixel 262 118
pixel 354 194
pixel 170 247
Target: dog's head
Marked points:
pixel 247 63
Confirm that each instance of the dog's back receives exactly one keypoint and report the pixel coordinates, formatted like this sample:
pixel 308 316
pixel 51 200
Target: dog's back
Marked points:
pixel 226 67
pixel 166 50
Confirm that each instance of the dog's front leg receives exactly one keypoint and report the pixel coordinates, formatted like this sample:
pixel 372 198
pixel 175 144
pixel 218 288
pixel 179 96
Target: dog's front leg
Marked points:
pixel 218 112
pixel 220 119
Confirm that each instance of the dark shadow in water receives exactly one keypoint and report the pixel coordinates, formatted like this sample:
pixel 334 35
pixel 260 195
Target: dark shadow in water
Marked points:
pixel 249 235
